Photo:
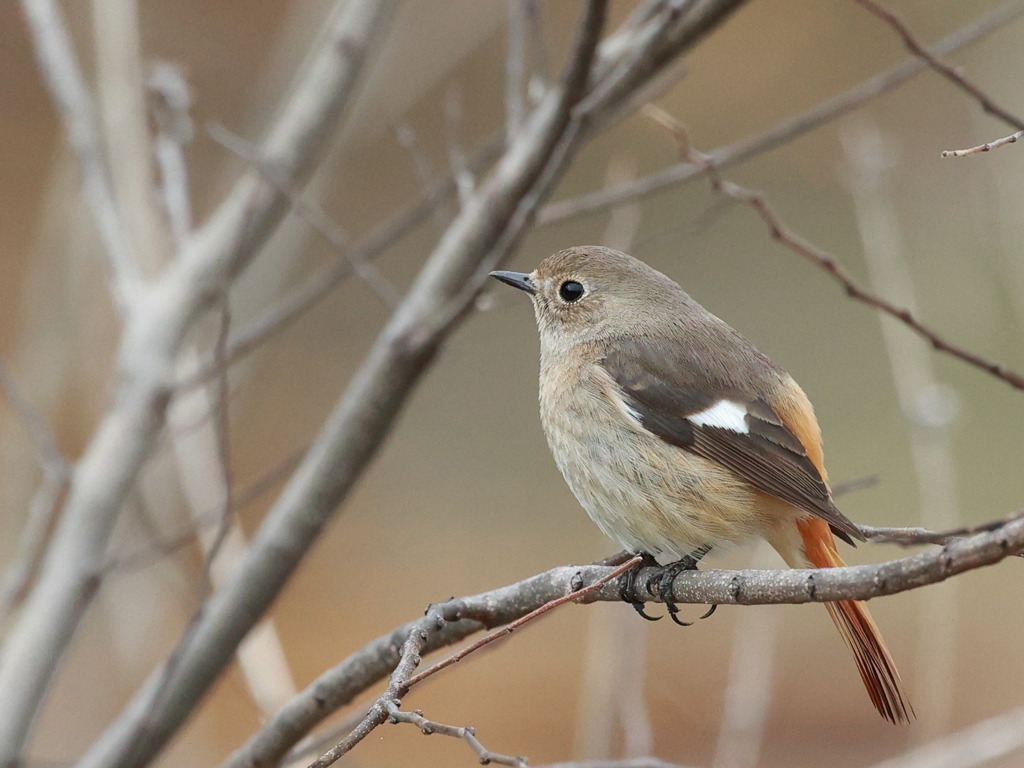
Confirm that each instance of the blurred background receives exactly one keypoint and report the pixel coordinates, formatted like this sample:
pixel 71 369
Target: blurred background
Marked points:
pixel 465 497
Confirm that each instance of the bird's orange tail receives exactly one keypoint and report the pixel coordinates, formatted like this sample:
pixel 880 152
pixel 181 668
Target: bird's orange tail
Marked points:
pixel 854 623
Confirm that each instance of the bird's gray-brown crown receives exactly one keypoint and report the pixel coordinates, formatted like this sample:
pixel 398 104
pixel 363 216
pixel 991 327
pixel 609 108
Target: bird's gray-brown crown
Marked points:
pixel 592 292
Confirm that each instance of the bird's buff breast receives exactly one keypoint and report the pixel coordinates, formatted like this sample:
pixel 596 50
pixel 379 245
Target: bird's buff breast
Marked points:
pixel 641 491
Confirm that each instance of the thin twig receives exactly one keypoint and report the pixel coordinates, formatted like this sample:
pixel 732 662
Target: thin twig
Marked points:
pixel 146 556
pixel 784 132
pixel 465 184
pixel 951 73
pixel 313 214
pixel 402 680
pixel 826 261
pixel 986 147
pixel 913 536
pixel 407 137
pixel 465 732
pixel 540 71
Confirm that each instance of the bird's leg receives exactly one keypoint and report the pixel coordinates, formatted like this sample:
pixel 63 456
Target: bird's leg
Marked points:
pixel 627 585
pixel 668 576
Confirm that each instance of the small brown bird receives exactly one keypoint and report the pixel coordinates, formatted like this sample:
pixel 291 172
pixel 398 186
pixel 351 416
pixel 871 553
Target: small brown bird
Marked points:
pixel 677 435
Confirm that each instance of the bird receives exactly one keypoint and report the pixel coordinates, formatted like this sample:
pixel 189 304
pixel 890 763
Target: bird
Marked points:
pixel 677 435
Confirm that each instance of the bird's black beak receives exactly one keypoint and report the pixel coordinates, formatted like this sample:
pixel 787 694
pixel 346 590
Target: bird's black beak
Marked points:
pixel 519 280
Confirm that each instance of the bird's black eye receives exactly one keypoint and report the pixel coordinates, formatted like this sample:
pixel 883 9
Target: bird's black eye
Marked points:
pixel 571 291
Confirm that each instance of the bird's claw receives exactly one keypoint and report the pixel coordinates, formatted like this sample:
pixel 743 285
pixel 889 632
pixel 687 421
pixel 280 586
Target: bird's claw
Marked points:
pixel 627 586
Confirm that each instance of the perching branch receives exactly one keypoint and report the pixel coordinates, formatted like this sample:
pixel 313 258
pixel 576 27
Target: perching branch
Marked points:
pixel 454 620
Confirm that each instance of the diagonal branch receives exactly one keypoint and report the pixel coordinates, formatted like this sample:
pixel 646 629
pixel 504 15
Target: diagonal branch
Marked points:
pixel 826 261
pixel 951 73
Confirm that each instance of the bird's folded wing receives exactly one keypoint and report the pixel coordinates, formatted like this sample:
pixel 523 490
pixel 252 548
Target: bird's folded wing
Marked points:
pixel 728 424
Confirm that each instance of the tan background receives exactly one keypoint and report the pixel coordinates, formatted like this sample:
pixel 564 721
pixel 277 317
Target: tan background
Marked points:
pixel 464 496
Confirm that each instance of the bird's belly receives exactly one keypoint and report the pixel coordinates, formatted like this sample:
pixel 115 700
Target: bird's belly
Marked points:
pixel 645 493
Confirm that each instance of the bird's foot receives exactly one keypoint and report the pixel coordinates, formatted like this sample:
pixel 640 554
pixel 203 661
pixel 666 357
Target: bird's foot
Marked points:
pixel 668 577
pixel 627 585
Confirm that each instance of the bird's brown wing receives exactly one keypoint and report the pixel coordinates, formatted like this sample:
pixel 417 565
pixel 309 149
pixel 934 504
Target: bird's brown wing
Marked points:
pixel 729 424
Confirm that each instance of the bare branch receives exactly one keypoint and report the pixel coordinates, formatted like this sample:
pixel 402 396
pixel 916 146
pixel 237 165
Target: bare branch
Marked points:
pixel 782 133
pixel 953 74
pixel 55 55
pixel 986 147
pixel 456 619
pixel 912 537
pixel 826 261
pixel 465 732
pixel 42 515
pixel 121 99
pixel 320 284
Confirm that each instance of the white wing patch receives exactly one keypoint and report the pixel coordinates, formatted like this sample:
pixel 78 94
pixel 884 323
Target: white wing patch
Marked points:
pixel 725 414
